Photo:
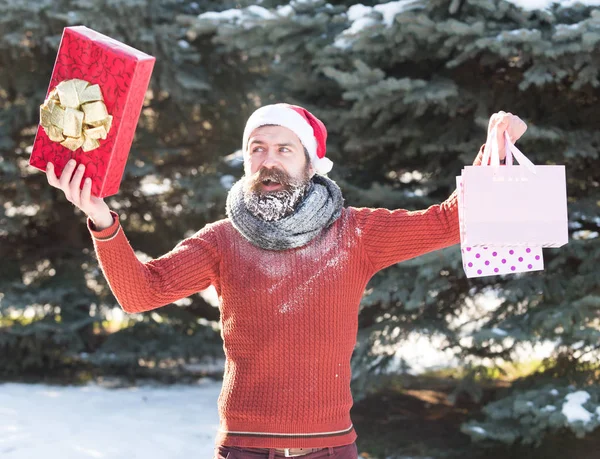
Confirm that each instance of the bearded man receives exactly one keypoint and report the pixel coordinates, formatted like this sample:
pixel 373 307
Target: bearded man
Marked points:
pixel 290 264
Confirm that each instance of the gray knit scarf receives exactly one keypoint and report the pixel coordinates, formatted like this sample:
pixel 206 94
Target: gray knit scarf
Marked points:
pixel 321 206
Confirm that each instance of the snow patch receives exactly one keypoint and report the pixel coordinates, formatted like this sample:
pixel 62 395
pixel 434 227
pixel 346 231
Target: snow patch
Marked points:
pixel 246 17
pixel 227 181
pixel 359 25
pixel 518 35
pixel 234 159
pixel 152 185
pixel 285 10
pixel 357 11
pixel 358 15
pixel 75 422
pixel 261 12
pixel 573 409
pixel 390 10
pixel 226 15
pixel 211 296
pixel 478 430
pixel 499 331
pixel 300 292
pixel 530 5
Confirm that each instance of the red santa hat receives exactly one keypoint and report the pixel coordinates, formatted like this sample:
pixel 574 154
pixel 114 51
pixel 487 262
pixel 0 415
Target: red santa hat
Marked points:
pixel 310 130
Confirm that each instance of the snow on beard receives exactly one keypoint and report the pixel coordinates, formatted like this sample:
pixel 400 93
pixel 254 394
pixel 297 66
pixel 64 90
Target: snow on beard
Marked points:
pixel 274 205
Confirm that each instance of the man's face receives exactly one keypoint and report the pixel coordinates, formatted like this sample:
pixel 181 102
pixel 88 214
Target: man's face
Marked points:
pixel 277 172
pixel 275 159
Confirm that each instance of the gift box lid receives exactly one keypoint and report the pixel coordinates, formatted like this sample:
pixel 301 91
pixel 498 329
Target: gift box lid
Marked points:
pixel 115 45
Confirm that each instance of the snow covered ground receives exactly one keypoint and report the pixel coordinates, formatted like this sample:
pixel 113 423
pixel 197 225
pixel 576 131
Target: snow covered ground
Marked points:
pixel 149 422
pixel 153 422
pixel 52 422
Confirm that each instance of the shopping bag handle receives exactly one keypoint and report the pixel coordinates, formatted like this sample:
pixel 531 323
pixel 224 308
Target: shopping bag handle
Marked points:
pixel 491 155
pixel 512 150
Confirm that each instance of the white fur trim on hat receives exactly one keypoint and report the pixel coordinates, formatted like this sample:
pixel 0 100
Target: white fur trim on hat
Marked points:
pixel 283 115
pixel 322 165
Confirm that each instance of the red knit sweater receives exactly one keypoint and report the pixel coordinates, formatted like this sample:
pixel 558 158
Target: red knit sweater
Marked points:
pixel 289 318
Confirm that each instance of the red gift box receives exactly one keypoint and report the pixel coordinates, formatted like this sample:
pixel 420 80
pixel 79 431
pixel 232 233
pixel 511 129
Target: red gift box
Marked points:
pixel 123 74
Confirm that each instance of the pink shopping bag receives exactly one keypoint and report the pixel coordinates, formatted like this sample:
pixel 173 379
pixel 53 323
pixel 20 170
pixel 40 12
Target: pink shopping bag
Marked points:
pixel 523 205
pixel 494 260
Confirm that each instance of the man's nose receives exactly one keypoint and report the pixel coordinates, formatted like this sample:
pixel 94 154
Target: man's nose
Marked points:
pixel 270 159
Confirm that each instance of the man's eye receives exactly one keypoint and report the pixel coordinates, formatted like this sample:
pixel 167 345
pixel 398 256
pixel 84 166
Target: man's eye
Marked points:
pixel 284 150
pixel 257 149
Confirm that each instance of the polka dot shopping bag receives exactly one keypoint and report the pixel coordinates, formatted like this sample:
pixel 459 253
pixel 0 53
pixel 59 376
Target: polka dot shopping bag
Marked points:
pixel 495 259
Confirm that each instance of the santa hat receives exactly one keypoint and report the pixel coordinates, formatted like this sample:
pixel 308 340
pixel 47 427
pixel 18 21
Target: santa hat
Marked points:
pixel 310 130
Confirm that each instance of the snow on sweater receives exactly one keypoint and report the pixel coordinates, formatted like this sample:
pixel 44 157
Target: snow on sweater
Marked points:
pixel 289 318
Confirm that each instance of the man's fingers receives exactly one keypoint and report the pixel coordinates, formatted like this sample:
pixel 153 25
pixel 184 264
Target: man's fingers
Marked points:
pixel 75 185
pixel 497 120
pixel 70 184
pixel 500 121
pixel 516 128
pixel 51 176
pixel 86 193
pixel 500 140
pixel 492 123
pixel 66 175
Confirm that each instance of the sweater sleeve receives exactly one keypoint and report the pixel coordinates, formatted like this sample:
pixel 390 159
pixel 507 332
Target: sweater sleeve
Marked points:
pixel 391 236
pixel 191 266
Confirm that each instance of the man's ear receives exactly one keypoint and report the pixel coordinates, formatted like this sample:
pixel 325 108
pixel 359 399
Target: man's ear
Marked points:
pixel 311 171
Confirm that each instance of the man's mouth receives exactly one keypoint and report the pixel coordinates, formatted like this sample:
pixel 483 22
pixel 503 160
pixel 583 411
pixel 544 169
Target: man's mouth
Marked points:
pixel 270 185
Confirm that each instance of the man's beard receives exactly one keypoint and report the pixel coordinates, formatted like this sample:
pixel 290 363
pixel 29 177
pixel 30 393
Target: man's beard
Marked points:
pixel 274 205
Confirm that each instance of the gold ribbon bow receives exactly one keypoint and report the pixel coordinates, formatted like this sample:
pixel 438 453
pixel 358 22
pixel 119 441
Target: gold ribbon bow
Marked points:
pixel 74 114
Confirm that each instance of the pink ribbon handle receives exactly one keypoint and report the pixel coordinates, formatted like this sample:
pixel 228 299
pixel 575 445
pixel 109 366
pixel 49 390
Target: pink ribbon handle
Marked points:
pixel 491 156
pixel 512 150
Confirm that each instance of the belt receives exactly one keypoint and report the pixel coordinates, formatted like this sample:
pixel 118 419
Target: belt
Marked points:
pixel 290 452
pixel 293 452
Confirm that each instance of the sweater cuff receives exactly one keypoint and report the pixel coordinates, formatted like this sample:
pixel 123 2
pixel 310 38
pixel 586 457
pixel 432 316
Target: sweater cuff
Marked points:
pixel 108 233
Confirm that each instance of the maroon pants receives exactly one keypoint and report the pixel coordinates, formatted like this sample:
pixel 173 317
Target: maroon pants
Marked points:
pixel 338 452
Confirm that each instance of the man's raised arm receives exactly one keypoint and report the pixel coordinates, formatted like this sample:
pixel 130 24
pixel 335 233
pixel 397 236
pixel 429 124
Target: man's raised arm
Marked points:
pixel 392 236
pixel 190 267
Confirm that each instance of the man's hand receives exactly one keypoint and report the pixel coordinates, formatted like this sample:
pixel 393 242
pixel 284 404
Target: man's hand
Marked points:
pixel 514 126
pixel 70 184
